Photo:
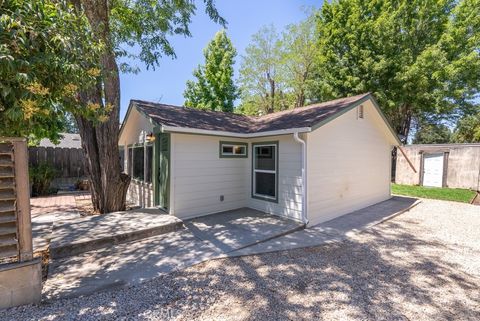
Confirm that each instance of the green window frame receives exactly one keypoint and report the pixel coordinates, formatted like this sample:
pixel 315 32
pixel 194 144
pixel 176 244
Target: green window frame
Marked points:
pixel 258 171
pixel 233 149
pixel 140 171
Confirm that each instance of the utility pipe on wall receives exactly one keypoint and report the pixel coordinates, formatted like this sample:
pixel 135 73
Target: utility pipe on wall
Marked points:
pixel 304 176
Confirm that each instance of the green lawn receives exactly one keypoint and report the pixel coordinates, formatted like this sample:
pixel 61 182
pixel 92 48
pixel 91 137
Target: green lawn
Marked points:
pixel 446 194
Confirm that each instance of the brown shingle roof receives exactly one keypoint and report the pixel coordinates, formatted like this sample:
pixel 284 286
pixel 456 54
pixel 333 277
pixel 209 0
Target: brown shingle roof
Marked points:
pixel 185 117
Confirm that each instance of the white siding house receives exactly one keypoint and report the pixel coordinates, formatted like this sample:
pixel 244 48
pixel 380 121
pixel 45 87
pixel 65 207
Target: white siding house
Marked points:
pixel 309 164
pixel 349 162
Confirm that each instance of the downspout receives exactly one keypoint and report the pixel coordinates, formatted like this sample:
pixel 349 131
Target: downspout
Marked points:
pixel 304 176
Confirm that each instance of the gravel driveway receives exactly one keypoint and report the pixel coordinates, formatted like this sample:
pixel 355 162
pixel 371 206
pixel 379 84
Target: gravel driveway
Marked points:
pixel 422 265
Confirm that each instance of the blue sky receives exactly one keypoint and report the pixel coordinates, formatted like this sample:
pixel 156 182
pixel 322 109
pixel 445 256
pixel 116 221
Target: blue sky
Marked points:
pixel 245 17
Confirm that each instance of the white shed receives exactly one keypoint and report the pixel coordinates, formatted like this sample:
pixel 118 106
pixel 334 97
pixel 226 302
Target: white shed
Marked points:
pixel 310 164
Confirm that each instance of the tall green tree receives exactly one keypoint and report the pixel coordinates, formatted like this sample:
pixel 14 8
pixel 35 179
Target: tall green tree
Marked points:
pixel 47 54
pixel 214 87
pixel 432 133
pixel 262 74
pixel 299 50
pixel 468 129
pixel 418 57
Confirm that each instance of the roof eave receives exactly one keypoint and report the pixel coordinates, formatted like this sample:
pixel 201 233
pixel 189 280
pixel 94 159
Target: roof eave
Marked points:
pixel 186 130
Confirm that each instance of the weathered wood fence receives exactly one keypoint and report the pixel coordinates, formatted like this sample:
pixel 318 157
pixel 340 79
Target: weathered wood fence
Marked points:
pixel 69 162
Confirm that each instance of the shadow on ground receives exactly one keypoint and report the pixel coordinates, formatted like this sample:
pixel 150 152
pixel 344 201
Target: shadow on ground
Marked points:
pixel 394 271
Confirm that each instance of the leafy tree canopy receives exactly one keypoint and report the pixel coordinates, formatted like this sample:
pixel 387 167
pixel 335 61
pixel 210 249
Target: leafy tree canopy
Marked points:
pixel 431 133
pixel 262 77
pixel 468 129
pixel 214 88
pixel 47 54
pixel 418 57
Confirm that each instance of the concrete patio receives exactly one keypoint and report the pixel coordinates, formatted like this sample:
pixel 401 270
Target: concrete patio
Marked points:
pixel 232 233
pixel 336 230
pixel 237 229
pixel 100 252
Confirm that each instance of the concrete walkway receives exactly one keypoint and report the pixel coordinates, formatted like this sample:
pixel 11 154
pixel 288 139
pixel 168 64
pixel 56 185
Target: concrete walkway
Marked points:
pixel 47 210
pixel 98 231
pixel 237 229
pixel 133 262
pixel 338 229
pixel 204 238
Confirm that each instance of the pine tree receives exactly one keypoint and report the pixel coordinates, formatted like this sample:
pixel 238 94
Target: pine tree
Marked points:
pixel 214 88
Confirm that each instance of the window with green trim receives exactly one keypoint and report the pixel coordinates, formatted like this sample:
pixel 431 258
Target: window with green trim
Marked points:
pixel 233 150
pixel 138 166
pixel 265 171
pixel 121 156
pixel 140 162
pixel 149 164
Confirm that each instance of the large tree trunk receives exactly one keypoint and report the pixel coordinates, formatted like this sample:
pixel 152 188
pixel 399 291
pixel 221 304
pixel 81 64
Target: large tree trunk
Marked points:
pixel 401 119
pixel 100 140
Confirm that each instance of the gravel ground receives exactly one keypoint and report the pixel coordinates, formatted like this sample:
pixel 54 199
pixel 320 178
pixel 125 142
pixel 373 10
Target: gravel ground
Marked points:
pixel 422 265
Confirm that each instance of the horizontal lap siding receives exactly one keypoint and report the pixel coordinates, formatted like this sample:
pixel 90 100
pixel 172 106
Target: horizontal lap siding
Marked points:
pixel 289 179
pixel 200 176
pixel 349 163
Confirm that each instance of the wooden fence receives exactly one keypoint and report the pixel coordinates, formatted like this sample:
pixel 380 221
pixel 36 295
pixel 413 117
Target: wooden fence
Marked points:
pixel 69 162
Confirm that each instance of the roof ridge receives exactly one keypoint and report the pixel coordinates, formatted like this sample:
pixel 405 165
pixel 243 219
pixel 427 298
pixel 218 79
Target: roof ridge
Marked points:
pixel 257 118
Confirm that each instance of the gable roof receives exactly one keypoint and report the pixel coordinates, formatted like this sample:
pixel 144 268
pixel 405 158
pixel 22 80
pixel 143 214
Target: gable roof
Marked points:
pixel 67 141
pixel 307 118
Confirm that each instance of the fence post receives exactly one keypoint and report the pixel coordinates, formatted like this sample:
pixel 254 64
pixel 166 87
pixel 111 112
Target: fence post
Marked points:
pixel 22 188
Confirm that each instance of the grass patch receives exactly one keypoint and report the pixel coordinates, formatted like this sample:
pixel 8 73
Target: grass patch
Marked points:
pixel 446 194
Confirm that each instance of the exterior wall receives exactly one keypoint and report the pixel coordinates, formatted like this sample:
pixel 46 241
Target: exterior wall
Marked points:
pixel 463 164
pixel 289 179
pixel 349 165
pixel 135 131
pixel 199 176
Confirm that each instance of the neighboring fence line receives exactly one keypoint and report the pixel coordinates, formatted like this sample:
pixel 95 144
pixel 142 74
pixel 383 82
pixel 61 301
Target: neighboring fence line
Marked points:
pixel 69 162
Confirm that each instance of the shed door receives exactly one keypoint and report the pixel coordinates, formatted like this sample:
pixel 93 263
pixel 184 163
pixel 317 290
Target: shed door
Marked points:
pixel 433 170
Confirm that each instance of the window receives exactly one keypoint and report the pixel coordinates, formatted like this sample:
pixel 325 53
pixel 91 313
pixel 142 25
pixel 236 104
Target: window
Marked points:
pixel 140 162
pixel 121 151
pixel 265 171
pixel 360 111
pixel 233 150
pixel 148 164
pixel 130 161
pixel 138 172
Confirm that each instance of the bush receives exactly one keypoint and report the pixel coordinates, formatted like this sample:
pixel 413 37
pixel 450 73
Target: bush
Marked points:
pixel 41 176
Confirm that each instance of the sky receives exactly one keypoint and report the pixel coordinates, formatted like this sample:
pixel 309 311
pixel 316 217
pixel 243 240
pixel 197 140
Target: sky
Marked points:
pixel 245 17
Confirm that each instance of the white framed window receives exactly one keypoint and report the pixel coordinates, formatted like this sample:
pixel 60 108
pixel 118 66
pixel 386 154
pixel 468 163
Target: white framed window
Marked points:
pixel 233 150
pixel 265 171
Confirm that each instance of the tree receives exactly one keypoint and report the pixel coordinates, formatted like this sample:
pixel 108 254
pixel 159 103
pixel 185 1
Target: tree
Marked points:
pixel 419 58
pixel 431 133
pixel 121 25
pixel 298 56
pixel 214 88
pixel 468 129
pixel 138 29
pixel 261 78
pixel 40 72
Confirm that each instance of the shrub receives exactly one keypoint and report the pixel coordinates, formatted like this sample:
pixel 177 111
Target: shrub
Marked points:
pixel 41 176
